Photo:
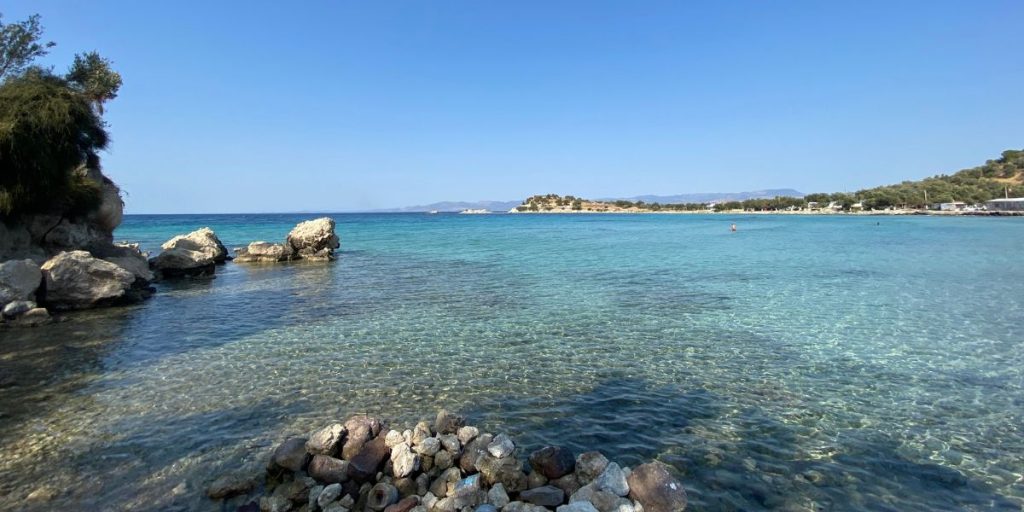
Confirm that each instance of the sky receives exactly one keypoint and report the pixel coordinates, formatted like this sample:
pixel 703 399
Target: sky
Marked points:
pixel 336 106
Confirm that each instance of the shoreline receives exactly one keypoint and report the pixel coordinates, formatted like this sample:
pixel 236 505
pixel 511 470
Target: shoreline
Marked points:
pixel 893 213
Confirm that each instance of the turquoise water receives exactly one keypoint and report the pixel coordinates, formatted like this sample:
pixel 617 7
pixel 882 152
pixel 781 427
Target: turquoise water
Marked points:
pixel 801 363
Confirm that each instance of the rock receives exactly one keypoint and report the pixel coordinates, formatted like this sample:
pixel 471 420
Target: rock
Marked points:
pixel 360 430
pixel 429 446
pixel 314 239
pixel 446 481
pixel 365 465
pixel 577 506
pixel 325 441
pixel 393 439
pixel 335 507
pixel 328 469
pixel 656 489
pixel 291 454
pixel 553 461
pixel 18 308
pixel 193 254
pixel 502 446
pixel 467 434
pixel 406 487
pixel 130 258
pixel 54 234
pixel 468 485
pixel 329 494
pixel 444 459
pixel 486 507
pixel 448 423
pixel 534 479
pixel 275 504
pixel 422 484
pixel 19 280
pixel 429 500
pixel 77 280
pixel 263 252
pixel 473 451
pixel 506 470
pixel 444 505
pixel 381 496
pixel 404 505
pixel 450 442
pixel 520 506
pixel 31 318
pixel 297 491
pixel 567 483
pixel 314 494
pixel 590 465
pixel 545 496
pixel 497 496
pixel 420 432
pixel 403 461
pixel 612 480
pixel 232 484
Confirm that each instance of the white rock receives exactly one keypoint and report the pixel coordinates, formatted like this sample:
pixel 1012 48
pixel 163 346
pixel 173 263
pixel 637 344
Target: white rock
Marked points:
pixel 77 280
pixel 194 253
pixel 613 480
pixel 428 446
pixel 403 461
pixel 130 258
pixel 314 239
pixel 467 433
pixel 501 447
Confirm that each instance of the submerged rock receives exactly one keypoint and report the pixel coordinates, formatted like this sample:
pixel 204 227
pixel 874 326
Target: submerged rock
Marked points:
pixel 656 489
pixel 77 280
pixel 291 454
pixel 231 485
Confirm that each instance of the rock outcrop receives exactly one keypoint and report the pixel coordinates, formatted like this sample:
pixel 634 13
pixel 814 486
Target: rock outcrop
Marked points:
pixel 19 280
pixel 78 280
pixel 194 254
pixel 314 240
pixel 311 240
pixel 445 467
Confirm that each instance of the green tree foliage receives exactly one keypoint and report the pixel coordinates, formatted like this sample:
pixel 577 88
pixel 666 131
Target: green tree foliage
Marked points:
pixel 47 130
pixel 20 45
pixel 93 77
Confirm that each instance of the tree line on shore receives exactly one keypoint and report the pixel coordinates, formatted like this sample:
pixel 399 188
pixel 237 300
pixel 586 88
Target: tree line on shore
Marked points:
pixel 51 126
pixel 991 180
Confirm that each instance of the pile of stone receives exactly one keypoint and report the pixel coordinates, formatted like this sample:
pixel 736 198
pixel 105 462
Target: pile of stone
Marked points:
pixel 312 240
pixel 363 466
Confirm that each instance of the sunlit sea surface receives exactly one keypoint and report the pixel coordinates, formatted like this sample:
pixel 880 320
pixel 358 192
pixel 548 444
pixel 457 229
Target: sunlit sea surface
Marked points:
pixel 801 363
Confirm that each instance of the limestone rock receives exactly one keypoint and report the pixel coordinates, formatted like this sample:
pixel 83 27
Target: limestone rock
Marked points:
pixel 263 252
pixel 534 479
pixel 403 461
pixel 328 469
pixel 497 496
pixel 325 441
pixel 19 280
pixel 275 504
pixel 130 258
pixel 429 446
pixel 467 434
pixel 448 423
pixel 393 438
pixel 193 254
pixel 506 470
pixel 314 239
pixel 473 451
pixel 502 446
pixel 77 280
pixel 567 483
pixel 360 430
pixel 291 454
pixel 328 495
pixel 656 489
pixel 31 318
pixel 613 480
pixel 553 461
pixel 520 506
pixel 590 465
pixel 18 308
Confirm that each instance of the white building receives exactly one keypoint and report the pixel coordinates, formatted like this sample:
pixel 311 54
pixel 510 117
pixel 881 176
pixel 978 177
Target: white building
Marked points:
pixel 1013 204
pixel 949 207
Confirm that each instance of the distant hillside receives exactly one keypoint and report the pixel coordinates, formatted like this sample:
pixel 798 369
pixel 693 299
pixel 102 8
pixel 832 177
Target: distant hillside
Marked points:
pixel 458 206
pixel 713 196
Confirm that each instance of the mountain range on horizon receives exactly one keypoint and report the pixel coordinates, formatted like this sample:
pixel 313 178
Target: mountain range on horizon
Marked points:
pixel 706 197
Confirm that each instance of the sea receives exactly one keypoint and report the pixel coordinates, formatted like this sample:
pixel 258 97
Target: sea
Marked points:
pixel 798 363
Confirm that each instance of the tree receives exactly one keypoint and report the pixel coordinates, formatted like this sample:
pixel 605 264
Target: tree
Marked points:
pixel 47 130
pixel 19 46
pixel 92 76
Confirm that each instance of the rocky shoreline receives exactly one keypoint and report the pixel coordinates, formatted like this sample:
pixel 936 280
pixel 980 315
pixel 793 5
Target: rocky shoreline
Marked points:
pixel 54 264
pixel 363 465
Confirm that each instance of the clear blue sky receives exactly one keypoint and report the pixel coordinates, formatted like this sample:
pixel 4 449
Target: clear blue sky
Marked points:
pixel 332 106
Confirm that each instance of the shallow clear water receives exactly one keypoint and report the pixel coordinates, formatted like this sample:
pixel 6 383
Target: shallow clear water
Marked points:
pixel 801 363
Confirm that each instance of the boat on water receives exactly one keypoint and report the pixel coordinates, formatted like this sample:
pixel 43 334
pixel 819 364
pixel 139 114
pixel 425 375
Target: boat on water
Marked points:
pixel 476 211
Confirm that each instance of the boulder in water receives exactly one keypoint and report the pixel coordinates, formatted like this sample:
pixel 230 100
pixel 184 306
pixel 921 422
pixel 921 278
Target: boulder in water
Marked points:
pixel 314 240
pixel 194 254
pixel 19 280
pixel 263 252
pixel 77 280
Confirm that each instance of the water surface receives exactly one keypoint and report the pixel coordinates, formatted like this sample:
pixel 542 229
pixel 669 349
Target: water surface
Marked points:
pixel 801 363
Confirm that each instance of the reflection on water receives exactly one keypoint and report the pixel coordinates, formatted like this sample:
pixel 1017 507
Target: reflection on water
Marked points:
pixel 800 364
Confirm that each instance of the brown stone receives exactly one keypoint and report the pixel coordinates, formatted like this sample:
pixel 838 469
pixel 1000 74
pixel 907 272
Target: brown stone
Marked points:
pixel 656 489
pixel 365 465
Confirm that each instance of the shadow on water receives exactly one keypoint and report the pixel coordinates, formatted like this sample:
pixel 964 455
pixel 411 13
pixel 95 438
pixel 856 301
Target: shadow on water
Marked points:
pixel 155 461
pixel 735 458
